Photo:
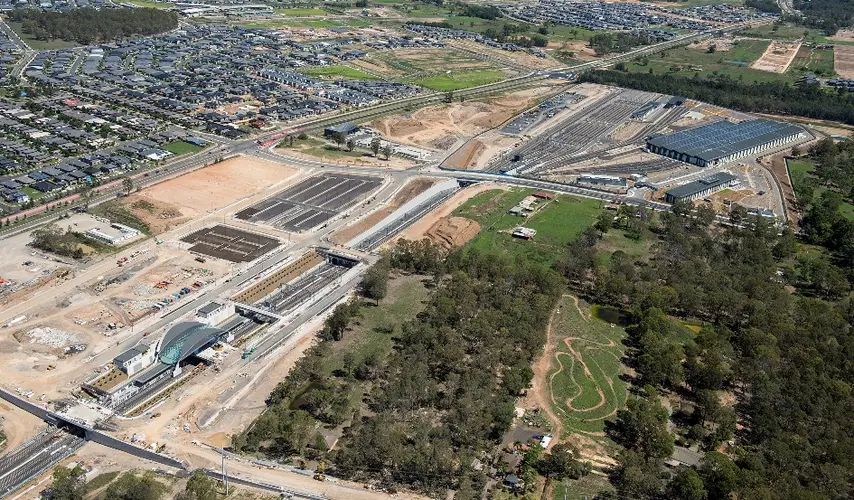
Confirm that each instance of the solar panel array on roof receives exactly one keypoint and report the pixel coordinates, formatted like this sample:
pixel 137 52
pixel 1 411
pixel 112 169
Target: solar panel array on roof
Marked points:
pixel 724 138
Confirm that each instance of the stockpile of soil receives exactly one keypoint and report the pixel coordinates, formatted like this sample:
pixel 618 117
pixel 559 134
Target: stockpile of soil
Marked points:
pixel 452 232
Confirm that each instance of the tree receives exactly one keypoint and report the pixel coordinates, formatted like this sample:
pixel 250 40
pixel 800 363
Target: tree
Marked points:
pixel 127 184
pixel 387 151
pixel 375 145
pixel 130 486
pixel 642 427
pixel 637 478
pixel 351 144
pixel 339 138
pixel 605 222
pixel 563 461
pixel 201 486
pixel 686 485
pixel 68 484
pixel 337 322
pixel 720 475
pixel 375 282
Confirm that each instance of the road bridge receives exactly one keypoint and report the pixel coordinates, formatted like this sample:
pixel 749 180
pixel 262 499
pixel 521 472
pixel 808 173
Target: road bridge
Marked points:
pixel 73 426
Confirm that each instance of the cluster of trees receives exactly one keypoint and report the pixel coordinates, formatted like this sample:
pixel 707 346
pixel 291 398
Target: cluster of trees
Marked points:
pixel 763 5
pixel 89 25
pixel 506 33
pixel 606 43
pixel 448 390
pixel 488 12
pixel 827 15
pixel 834 170
pixel 760 97
pixel 445 394
pixel 785 358
pixel 534 41
pixel 51 238
pixel 70 484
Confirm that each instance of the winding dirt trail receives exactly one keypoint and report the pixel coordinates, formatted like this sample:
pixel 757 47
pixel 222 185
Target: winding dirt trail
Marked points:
pixel 539 394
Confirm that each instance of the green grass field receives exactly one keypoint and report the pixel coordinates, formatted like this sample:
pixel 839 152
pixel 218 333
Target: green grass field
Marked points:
pixel 557 224
pixel 302 23
pixel 586 488
pixel 40 44
pixel 584 377
pixel 296 12
pixel 337 72
pixel 333 152
pixel 421 10
pixel 786 31
pixel 735 63
pixel 461 80
pixel 811 60
pixel 801 173
pixel 32 193
pixel 152 4
pixel 181 147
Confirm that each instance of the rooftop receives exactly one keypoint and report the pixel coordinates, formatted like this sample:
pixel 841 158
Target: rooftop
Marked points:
pixel 723 138
pixel 697 186
pixel 185 339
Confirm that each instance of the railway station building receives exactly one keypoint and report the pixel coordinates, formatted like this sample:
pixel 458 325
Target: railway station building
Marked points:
pixel 186 339
pixel 724 141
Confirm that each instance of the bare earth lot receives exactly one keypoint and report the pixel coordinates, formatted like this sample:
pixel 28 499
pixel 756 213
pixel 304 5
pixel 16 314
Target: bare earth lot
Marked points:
pixel 843 60
pixel 777 57
pixel 217 186
pixel 437 224
pixel 440 126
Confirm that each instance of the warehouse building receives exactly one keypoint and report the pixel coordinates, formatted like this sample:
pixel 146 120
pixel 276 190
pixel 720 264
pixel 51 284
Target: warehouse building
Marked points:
pixel 700 188
pixel 724 141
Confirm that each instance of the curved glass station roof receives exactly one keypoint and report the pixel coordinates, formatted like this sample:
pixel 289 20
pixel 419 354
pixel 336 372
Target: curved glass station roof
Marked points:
pixel 185 339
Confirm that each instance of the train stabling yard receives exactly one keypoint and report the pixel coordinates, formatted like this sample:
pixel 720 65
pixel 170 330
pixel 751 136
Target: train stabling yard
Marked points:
pixel 579 133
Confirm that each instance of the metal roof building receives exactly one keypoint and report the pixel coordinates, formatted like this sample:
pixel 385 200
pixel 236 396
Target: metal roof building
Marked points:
pixel 724 141
pixel 702 187
pixel 185 339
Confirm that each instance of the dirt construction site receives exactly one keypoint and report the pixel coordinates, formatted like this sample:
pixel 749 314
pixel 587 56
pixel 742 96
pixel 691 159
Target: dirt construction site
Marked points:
pixel 112 295
pixel 440 127
pixel 441 228
pixel 843 60
pixel 777 57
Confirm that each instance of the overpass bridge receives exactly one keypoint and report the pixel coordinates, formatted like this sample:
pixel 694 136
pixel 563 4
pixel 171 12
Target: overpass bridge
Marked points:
pixel 61 438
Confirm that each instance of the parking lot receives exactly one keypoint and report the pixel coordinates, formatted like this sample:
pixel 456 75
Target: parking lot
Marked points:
pixel 223 242
pixel 311 202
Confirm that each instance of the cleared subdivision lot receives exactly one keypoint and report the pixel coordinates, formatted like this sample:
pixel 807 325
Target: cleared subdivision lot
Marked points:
pixel 228 243
pixel 310 202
